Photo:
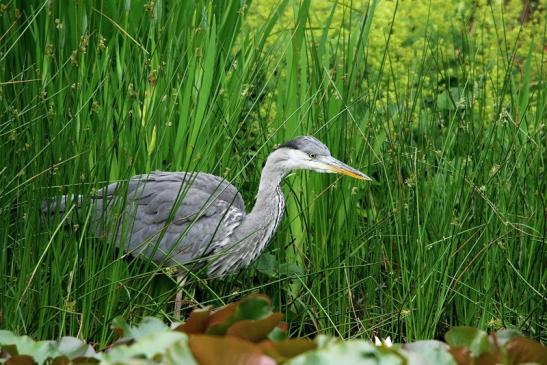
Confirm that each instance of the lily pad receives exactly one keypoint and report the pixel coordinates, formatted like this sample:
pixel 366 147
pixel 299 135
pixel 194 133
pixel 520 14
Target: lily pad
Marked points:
pixel 214 350
pixel 287 349
pixel 197 322
pixel 252 307
pixel 524 350
pixel 149 347
pixel 429 352
pixel 351 352
pixel 472 338
pixel 255 330
pixel 40 351
pixel 147 326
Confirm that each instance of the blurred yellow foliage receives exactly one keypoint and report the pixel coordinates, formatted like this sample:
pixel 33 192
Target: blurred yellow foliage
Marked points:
pixel 466 37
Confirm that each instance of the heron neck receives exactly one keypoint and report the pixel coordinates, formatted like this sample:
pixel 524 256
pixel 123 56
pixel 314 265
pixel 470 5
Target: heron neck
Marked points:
pixel 269 188
pixel 257 228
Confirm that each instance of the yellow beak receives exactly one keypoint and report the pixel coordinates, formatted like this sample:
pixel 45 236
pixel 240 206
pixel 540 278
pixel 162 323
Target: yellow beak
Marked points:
pixel 336 166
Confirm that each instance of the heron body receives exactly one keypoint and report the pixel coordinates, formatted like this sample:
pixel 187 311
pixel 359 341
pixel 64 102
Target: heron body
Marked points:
pixel 182 218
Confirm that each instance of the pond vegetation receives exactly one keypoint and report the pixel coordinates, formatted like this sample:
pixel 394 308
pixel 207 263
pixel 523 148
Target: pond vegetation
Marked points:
pixel 442 103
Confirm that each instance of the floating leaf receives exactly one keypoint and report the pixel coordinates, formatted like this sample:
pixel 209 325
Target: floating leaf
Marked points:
pixel 179 353
pixel 148 346
pixel 505 335
pixel 197 322
pixel 255 330
pixel 429 352
pixel 40 351
pixel 73 348
pixel 351 352
pixel 284 350
pixel 474 339
pixel 213 350
pixel 254 335
pixel 21 360
pixel 252 307
pixel 524 350
pixel 147 326
pixel 221 319
pixel 278 333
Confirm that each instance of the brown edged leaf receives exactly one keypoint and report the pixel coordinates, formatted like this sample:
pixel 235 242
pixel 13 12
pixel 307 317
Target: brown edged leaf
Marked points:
pixel 472 338
pixel 252 307
pixel 524 350
pixel 461 355
pixel 287 349
pixel 84 361
pixel 221 319
pixel 254 330
pixel 213 350
pixel 501 337
pixel 147 326
pixel 197 323
pixel 492 358
pixel 283 326
pixel 277 334
pixel 20 360
pixel 60 360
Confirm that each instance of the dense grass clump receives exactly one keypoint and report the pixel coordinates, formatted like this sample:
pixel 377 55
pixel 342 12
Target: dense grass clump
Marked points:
pixel 447 113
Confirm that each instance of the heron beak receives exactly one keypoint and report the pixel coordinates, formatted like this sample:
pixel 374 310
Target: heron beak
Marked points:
pixel 338 167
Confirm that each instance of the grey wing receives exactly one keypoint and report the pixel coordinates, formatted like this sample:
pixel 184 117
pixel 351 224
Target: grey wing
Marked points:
pixel 174 218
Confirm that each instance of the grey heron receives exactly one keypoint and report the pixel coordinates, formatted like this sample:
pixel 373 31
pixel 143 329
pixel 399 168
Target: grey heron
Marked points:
pixel 182 218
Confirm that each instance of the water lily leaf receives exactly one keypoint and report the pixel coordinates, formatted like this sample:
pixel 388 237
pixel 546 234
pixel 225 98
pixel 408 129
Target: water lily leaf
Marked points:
pixel 252 307
pixel 148 346
pixel 221 319
pixel 40 351
pixel 284 350
pixel 63 360
pixel 73 347
pixel 60 360
pixel 254 330
pixel 429 352
pixel 20 360
pixel 147 326
pixel 283 326
pixel 179 353
pixel 472 338
pixel 351 352
pixel 278 333
pixel 64 351
pixel 505 335
pixel 213 350
pixel 324 341
pixel 424 345
pixel 525 350
pixel 84 361
pixel 461 355
pixel 196 323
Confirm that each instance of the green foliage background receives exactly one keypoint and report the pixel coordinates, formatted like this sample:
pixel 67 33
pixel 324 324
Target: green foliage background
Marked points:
pixel 443 103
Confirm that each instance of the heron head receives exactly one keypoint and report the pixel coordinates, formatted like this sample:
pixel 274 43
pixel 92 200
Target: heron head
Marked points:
pixel 308 153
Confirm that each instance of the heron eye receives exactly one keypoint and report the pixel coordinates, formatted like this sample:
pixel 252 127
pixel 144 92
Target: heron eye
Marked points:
pixel 312 155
